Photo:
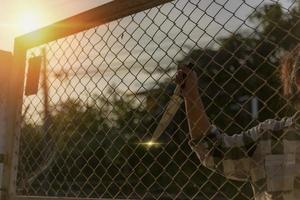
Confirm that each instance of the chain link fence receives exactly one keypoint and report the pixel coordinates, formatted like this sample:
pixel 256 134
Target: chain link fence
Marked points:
pixel 103 91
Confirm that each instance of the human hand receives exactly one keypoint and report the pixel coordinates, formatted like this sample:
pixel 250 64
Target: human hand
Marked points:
pixel 188 81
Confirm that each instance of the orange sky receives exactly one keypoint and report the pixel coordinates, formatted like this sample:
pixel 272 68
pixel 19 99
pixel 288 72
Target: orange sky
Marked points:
pixel 18 17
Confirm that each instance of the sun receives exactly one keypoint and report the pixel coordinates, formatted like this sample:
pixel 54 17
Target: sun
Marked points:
pixel 29 21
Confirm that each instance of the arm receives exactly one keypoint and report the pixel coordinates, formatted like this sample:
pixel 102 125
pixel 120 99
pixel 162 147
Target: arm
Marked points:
pixel 197 119
pixel 227 155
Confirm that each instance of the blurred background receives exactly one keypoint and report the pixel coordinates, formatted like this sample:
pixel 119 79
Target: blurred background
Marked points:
pixel 103 91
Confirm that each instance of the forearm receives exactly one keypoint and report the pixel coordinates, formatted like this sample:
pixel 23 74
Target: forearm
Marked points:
pixel 197 119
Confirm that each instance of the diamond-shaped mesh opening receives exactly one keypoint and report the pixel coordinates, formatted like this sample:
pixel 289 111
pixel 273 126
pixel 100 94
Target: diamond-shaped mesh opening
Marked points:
pixel 106 89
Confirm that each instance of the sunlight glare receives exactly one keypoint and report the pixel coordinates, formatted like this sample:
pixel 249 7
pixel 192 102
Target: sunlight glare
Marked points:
pixel 29 21
pixel 150 144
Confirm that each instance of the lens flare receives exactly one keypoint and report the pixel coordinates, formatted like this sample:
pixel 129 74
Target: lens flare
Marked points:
pixel 150 143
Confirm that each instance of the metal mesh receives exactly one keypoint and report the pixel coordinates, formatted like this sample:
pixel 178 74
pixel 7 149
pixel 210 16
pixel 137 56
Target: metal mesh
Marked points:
pixel 104 91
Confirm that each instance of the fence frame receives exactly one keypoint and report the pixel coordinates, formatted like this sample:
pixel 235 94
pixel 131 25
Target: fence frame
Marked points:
pixel 91 18
pixel 5 69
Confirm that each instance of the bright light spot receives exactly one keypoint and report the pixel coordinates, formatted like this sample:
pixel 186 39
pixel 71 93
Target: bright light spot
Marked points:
pixel 150 144
pixel 29 21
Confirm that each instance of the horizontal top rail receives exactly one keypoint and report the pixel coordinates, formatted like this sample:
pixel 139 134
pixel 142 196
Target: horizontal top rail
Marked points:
pixel 94 17
pixel 55 198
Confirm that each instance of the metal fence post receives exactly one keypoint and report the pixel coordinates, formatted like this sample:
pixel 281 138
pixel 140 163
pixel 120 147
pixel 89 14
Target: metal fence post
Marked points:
pixel 5 66
pixel 13 120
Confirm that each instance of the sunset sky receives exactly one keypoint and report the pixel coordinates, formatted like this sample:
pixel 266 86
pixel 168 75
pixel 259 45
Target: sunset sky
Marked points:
pixel 124 61
pixel 18 17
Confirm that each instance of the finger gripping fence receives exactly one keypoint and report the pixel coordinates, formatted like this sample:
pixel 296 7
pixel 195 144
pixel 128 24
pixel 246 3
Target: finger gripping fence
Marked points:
pixel 103 91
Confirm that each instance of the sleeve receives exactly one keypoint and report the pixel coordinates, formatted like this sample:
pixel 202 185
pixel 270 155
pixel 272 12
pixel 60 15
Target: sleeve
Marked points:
pixel 231 155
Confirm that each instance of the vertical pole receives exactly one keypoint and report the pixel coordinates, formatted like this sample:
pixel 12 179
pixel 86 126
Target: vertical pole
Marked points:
pixel 47 117
pixel 46 92
pixel 254 107
pixel 5 66
pixel 14 110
